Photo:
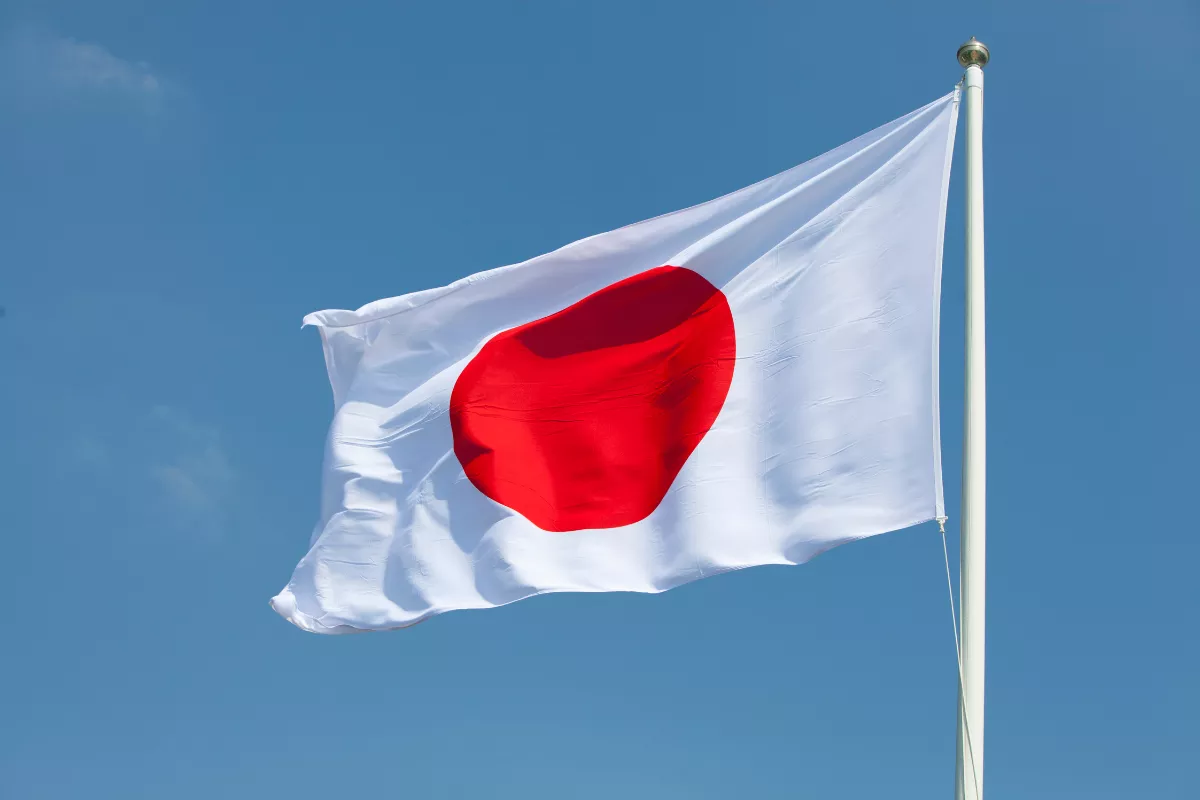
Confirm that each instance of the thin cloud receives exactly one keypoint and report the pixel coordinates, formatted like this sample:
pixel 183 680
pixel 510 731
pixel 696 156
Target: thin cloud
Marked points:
pixel 191 469
pixel 165 464
pixel 41 67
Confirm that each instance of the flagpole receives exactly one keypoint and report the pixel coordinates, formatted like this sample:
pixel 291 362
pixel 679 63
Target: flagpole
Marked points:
pixel 973 568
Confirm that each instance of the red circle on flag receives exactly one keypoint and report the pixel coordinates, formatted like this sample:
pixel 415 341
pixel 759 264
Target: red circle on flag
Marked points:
pixel 582 419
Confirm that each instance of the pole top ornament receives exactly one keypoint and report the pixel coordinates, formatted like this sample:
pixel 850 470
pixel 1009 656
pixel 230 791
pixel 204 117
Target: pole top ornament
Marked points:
pixel 973 54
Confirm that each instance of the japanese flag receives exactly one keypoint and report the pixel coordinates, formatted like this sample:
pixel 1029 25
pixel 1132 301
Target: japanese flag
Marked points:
pixel 752 380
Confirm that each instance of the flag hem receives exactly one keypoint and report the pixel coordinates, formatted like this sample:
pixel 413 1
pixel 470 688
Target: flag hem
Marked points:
pixel 413 300
pixel 284 604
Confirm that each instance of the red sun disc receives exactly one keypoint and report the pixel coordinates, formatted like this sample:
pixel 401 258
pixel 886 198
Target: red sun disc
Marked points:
pixel 582 419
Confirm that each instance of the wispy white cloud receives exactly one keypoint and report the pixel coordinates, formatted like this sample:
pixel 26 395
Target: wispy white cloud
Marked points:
pixel 89 66
pixel 40 66
pixel 190 465
pixel 166 464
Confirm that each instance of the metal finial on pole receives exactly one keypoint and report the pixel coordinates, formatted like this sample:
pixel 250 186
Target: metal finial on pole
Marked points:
pixel 972 586
pixel 973 54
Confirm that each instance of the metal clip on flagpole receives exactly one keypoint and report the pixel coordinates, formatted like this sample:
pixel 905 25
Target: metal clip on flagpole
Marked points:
pixel 968 784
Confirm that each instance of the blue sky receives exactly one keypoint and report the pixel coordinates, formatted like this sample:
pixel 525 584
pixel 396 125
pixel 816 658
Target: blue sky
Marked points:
pixel 180 183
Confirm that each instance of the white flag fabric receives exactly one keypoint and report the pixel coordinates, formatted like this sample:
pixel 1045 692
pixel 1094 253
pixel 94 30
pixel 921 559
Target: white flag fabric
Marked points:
pixel 749 381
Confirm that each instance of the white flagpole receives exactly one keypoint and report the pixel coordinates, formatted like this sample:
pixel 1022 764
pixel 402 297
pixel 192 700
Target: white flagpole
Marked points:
pixel 972 572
